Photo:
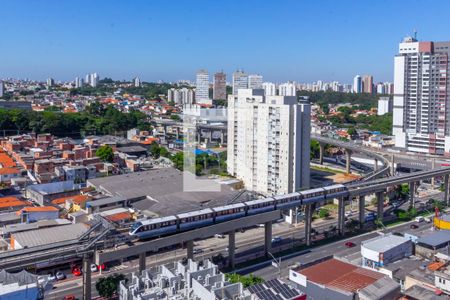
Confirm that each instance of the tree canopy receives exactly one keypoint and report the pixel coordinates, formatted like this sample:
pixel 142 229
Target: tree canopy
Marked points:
pixel 105 153
pixel 108 286
pixel 96 119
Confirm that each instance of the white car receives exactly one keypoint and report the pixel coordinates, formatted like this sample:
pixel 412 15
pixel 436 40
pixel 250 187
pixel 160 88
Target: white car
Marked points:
pixel 219 236
pixel 276 239
pixel 60 275
pixel 427 219
pixel 197 251
pixel 94 268
pixel 51 277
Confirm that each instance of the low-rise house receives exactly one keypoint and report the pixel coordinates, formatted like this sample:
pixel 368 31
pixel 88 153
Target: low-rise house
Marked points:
pixel 32 214
pixel 330 278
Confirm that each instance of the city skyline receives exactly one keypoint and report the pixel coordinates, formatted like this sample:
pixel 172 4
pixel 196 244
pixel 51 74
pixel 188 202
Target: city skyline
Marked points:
pixel 50 40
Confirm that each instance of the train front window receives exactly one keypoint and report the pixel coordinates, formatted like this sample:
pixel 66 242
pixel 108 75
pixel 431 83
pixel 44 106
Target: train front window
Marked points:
pixel 135 226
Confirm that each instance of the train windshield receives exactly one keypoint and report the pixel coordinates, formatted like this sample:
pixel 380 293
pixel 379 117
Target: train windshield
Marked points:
pixel 135 226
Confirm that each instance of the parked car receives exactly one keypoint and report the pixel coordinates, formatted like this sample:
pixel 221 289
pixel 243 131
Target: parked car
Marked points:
pixel 60 275
pixel 413 226
pixel 51 277
pixel 427 219
pixel 276 239
pixel 349 244
pixel 219 236
pixel 77 271
pixel 94 268
pixel 197 251
pixel 70 297
pixel 419 219
pixel 103 267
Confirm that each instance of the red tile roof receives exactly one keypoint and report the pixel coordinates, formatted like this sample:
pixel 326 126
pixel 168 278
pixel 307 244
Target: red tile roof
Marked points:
pixel 119 217
pixel 341 275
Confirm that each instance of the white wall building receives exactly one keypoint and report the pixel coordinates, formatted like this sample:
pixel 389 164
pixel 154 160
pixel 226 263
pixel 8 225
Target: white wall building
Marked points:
pixel 255 81
pixel 268 141
pixel 383 250
pixel 2 88
pixel 384 106
pixel 421 98
pixel 202 87
pixel 269 89
pixel 240 81
pixel 287 89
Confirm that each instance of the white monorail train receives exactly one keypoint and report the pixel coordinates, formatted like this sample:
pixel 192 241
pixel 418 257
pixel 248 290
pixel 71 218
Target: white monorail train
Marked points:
pixel 157 227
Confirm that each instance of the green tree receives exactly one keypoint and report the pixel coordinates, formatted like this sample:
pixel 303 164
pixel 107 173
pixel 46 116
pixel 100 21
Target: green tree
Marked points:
pixel 246 281
pixel 108 286
pixel 324 213
pixel 314 149
pixel 351 131
pixel 155 150
pixel 105 153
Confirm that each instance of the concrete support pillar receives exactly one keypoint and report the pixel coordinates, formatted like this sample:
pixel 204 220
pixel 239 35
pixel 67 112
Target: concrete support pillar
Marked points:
pixel 392 165
pixel 375 166
pixel 341 214
pixel 190 249
pixel 142 266
pixel 321 152
pixel 446 189
pixel 87 277
pixel 433 165
pixel 412 190
pixel 308 218
pixel 380 206
pixel 222 137
pixel 267 238
pixel 348 159
pixel 231 248
pixel 362 211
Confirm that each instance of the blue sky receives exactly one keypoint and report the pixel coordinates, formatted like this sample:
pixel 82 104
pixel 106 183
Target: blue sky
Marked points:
pixel 170 40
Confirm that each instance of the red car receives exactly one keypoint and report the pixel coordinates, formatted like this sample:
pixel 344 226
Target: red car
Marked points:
pixel 70 297
pixel 349 244
pixel 103 267
pixel 76 271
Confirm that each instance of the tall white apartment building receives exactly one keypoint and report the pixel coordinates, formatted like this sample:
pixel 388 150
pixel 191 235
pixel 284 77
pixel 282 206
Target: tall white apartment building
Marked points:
pixel 240 81
pixel 202 87
pixel 2 88
pixel 255 81
pixel 287 89
pixel 357 84
pixel 384 105
pixel 269 89
pixel 268 141
pixel 137 82
pixel 180 96
pixel 421 97
pixel 50 82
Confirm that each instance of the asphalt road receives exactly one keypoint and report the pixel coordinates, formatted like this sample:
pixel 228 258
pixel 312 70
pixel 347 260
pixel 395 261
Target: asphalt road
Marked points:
pixel 337 248
pixel 249 245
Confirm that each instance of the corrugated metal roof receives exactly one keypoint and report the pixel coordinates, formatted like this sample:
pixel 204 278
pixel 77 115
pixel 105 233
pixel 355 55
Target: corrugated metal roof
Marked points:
pixel 436 238
pixel 51 235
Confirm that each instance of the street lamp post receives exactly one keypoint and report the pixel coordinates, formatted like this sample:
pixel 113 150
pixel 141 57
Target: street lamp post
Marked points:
pixel 276 263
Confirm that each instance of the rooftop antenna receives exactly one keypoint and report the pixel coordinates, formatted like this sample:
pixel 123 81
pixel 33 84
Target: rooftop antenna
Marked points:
pixel 415 34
